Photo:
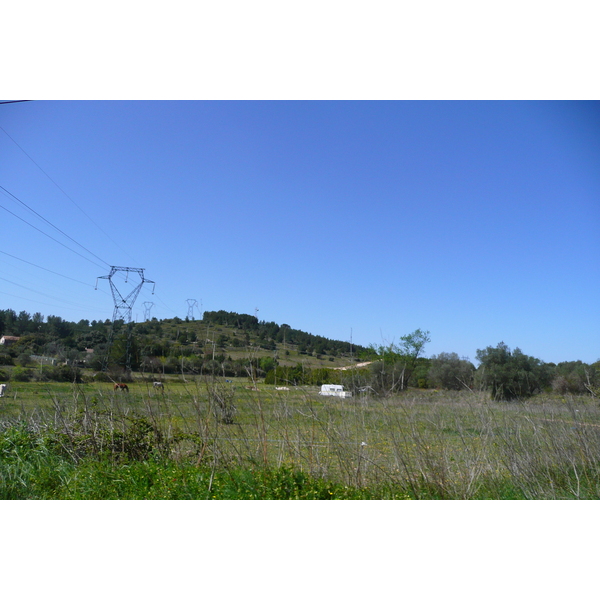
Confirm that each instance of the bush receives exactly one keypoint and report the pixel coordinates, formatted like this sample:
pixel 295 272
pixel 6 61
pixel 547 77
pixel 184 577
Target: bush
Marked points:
pixel 6 359
pixel 21 374
pixel 60 373
pixel 24 359
pixel 101 376
pixel 574 377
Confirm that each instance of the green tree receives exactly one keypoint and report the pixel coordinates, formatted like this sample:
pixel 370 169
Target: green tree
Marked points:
pixel 451 372
pixel 575 377
pixel 511 375
pixel 267 363
pixel 397 363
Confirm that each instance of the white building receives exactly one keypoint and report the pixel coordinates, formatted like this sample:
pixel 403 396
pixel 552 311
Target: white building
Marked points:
pixel 330 389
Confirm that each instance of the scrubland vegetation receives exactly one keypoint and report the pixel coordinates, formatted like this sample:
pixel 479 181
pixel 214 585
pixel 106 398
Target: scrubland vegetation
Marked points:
pixel 214 440
pixel 415 427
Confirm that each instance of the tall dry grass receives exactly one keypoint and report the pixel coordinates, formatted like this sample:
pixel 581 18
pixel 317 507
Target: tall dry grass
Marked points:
pixel 447 445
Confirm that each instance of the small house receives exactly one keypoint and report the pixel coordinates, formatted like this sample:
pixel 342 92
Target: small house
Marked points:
pixel 7 340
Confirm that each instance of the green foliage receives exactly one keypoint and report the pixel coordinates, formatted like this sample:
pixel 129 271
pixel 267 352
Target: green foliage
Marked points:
pixel 30 466
pixel 6 359
pixel 267 363
pixel 510 375
pixel 323 376
pixel 60 373
pixel 388 377
pixel 450 372
pixel 296 375
pixel 42 465
pixel 269 333
pixel 24 359
pixel 299 375
pixel 397 364
pixel 575 377
pixel 21 374
pixel 171 346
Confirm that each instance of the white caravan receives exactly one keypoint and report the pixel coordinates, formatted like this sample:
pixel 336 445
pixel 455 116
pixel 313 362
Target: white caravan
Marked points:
pixel 329 389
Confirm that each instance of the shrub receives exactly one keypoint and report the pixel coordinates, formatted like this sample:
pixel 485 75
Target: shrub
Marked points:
pixel 574 377
pixel 21 374
pixel 59 373
pixel 101 376
pixel 6 359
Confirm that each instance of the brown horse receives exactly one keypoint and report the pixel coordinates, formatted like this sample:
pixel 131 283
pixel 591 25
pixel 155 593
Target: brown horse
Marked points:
pixel 121 386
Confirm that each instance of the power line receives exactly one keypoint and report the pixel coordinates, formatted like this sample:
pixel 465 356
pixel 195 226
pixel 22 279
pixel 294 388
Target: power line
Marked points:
pixel 49 236
pixel 51 224
pixel 65 246
pixel 63 191
pixel 40 293
pixel 40 302
pixel 49 270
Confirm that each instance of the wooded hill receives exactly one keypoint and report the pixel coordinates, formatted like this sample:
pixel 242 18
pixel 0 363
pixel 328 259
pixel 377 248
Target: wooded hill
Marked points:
pixel 221 342
pixel 229 344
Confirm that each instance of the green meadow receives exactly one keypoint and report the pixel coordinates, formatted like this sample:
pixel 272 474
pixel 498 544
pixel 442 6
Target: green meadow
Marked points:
pixel 217 438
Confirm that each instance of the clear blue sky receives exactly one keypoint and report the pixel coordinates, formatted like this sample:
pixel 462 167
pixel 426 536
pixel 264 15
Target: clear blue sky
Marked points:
pixel 477 221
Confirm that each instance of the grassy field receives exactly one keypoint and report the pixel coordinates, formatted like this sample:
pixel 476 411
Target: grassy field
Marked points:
pixel 213 439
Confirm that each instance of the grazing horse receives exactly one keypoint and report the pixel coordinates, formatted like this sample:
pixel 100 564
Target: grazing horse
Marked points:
pixel 121 386
pixel 2 389
pixel 158 384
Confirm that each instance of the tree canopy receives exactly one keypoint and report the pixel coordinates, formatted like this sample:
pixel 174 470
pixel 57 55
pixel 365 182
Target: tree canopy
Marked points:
pixel 511 375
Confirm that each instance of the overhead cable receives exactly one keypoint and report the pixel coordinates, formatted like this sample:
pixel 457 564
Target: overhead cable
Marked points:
pixel 49 271
pixel 53 239
pixel 63 191
pixel 40 293
pixel 38 301
pixel 51 224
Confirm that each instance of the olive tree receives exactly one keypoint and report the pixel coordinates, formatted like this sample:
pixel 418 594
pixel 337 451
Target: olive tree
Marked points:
pixel 575 377
pixel 511 375
pixel 451 372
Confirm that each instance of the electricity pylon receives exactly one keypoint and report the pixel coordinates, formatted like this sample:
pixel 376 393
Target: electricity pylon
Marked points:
pixel 123 306
pixel 191 303
pixel 147 307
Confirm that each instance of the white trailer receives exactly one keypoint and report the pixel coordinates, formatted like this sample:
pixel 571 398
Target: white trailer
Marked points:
pixel 329 389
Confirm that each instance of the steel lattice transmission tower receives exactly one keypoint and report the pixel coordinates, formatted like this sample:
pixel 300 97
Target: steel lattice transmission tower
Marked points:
pixel 147 308
pixel 191 303
pixel 123 305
